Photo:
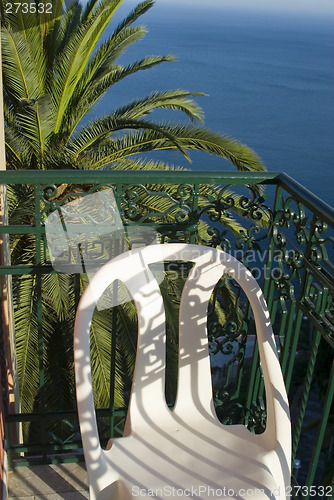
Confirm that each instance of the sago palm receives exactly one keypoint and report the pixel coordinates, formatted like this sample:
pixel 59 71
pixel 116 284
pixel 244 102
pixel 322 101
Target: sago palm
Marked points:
pixel 55 68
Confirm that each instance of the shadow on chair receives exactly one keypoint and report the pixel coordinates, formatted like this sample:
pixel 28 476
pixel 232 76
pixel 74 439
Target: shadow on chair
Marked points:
pixel 187 451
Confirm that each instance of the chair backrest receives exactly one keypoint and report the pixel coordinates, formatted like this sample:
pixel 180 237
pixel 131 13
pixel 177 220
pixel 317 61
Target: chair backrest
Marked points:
pixel 194 395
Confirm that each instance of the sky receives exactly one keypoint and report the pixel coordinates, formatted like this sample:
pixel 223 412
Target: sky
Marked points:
pixel 321 7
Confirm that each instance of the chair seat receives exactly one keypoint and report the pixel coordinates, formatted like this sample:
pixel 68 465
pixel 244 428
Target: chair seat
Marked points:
pixel 202 461
pixel 187 449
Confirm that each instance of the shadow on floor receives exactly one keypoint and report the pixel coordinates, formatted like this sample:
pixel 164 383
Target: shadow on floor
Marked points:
pixel 49 482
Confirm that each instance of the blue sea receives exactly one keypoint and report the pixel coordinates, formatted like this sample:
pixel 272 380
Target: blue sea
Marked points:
pixel 269 79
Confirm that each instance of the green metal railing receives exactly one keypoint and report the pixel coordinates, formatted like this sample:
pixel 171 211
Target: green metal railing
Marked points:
pixel 282 232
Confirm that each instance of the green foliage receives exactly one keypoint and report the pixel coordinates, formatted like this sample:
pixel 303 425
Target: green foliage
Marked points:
pixel 54 72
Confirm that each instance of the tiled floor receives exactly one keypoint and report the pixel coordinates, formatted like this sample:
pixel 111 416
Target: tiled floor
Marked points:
pixel 49 482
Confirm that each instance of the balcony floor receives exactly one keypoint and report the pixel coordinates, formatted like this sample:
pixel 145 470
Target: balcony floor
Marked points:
pixel 49 482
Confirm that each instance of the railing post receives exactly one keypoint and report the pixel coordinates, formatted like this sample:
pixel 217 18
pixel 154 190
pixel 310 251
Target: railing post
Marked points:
pixel 322 429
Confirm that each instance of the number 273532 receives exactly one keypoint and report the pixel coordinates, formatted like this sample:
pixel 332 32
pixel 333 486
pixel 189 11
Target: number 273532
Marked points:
pixel 28 8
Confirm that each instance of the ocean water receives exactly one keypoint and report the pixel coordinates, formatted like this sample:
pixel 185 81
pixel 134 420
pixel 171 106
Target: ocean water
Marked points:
pixel 269 79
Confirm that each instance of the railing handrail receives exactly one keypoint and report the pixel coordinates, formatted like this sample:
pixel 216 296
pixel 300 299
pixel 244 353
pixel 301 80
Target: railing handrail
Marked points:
pixel 303 195
pixel 146 176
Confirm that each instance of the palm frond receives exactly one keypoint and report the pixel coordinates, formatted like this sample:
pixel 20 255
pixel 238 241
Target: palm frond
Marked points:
pixel 59 386
pixel 59 310
pixel 72 62
pixel 97 131
pixel 138 11
pixel 108 52
pixel 189 137
pixel 54 72
pixel 20 76
pixel 171 99
pixel 58 294
pixel 26 330
pixel 89 9
pixel 59 34
pixel 17 19
pixel 18 152
pixel 37 121
pixel 83 101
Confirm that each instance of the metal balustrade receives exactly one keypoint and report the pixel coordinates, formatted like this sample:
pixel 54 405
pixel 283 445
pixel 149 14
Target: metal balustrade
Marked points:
pixel 277 228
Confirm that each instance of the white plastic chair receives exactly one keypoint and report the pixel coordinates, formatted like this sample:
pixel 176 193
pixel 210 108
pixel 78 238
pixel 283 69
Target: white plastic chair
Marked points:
pixel 187 448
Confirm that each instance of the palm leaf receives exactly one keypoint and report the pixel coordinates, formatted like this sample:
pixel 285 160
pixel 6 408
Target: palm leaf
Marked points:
pixel 138 11
pixel 108 52
pixel 72 62
pixel 26 329
pixel 83 100
pixel 18 67
pixel 98 130
pixel 53 74
pixel 36 122
pixel 188 137
pixel 171 99
pixel 60 34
